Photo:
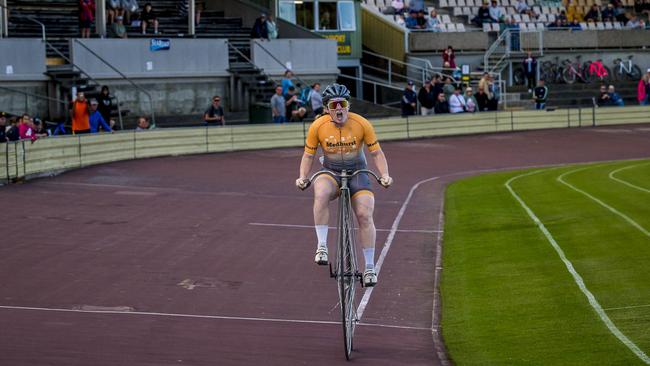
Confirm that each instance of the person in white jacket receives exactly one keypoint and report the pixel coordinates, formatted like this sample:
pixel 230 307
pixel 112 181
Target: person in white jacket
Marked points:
pixel 457 102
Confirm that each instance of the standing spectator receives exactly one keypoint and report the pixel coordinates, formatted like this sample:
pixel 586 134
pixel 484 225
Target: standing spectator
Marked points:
pixel 316 100
pixel 449 57
pixel 593 14
pixel 294 110
pixel 426 98
pixel 635 23
pixel 271 28
pixel 412 20
pixel 615 99
pixel 541 95
pixel 448 88
pixel 436 86
pixel 96 120
pixel 86 17
pixel 442 106
pixel 457 102
pixel 259 28
pixel 80 114
pixel 603 99
pixel 148 18
pixel 39 128
pixel 214 113
pixel 409 100
pixel 286 82
pixel 643 89
pixel 495 12
pixel 26 128
pixel 184 8
pixel 483 15
pixel 278 106
pixel 471 105
pixel 434 23
pixel 3 127
pixel 105 104
pixel 482 100
pixel 12 131
pixel 400 20
pixel 118 29
pixel 530 71
pixel 143 124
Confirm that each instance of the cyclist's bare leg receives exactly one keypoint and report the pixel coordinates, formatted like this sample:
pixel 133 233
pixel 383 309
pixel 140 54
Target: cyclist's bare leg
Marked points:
pixel 364 205
pixel 324 191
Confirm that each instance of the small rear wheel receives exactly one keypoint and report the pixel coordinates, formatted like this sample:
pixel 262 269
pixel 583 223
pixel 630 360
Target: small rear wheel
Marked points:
pixel 635 73
pixel 568 75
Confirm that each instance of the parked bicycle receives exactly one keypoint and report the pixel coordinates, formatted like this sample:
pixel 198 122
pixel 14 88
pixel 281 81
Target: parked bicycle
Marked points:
pixel 551 71
pixel 626 70
pixel 346 270
pixel 596 71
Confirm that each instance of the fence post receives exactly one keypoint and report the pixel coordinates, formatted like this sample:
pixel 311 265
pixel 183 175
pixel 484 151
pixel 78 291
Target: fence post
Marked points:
pixel 593 116
pixel 207 143
pixel 579 116
pixel 7 161
pixel 390 72
pixel 24 160
pixel 568 117
pixel 512 121
pixel 374 94
pixel 79 148
pixel 408 128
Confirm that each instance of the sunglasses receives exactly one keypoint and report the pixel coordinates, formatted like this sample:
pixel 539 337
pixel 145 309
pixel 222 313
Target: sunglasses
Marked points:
pixel 216 100
pixel 342 103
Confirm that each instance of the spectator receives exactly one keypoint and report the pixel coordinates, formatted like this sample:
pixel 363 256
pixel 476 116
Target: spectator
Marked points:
pixel 437 85
pixel 522 7
pixel 574 12
pixel 421 20
pixel 286 82
pixel 449 57
pixel 434 22
pixel 80 114
pixel 316 100
pixel 635 23
pixel 603 98
pixel 118 29
pixel 3 127
pixel 457 102
pixel 643 89
pixel 294 109
pixel 416 5
pixel 530 71
pixel 126 8
pixel 615 99
pixel 105 104
pixel 426 98
pixel 325 21
pixel 184 10
pixel 607 15
pixel 396 7
pixel 441 104
pixel 514 33
pixel 448 88
pixel 593 14
pixel 400 20
pixel 278 106
pixel 493 94
pixel 96 119
pixel 143 124
pixel 540 95
pixel 619 12
pixel 271 28
pixel 483 15
pixel 562 16
pixel 496 13
pixel 12 131
pixel 86 17
pixel 409 100
pixel 575 25
pixel 260 30
pixel 471 105
pixel 39 128
pixel 214 113
pixel 412 20
pixel 482 100
pixel 26 128
pixel 148 18
pixel 111 10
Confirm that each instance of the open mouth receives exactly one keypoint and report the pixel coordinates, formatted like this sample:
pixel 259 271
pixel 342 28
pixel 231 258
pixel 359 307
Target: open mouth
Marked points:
pixel 339 115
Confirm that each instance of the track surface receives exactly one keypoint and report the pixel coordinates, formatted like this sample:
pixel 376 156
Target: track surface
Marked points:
pixel 173 236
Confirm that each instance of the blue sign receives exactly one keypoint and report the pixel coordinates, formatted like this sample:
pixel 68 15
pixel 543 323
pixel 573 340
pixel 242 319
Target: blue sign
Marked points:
pixel 160 44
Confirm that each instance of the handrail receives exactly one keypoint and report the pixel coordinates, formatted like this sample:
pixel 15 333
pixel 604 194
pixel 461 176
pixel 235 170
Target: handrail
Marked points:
pixel 279 62
pixel 4 19
pixel 58 52
pixel 426 70
pixel 44 97
pixel 141 89
pixel 493 47
pixel 31 18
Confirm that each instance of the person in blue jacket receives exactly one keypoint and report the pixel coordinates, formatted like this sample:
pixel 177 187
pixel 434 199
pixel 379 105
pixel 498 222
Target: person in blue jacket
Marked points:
pixel 96 119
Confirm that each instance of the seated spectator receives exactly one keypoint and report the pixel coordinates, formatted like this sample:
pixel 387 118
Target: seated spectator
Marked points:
pixel 96 119
pixel 39 128
pixel 143 124
pixel 562 16
pixel 118 30
pixel 183 10
pixel 86 17
pixel 457 102
pixel 294 110
pixel 260 30
pixel 422 20
pixel 496 13
pixel 593 14
pixel 111 10
pixel 615 99
pixel 412 20
pixel 540 95
pixel 603 98
pixel 396 7
pixel 522 7
pixel 3 127
pixel 635 23
pixel 607 15
pixel 619 13
pixel 434 22
pixel 278 106
pixel 400 20
pixel 482 100
pixel 442 106
pixel 214 114
pixel 574 12
pixel 316 100
pixel 148 18
pixel 575 25
pixel 471 105
pixel 556 25
pixel 448 88
pixel 483 15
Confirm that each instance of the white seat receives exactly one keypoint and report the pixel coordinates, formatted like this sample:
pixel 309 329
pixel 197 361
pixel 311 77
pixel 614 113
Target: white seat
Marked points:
pixel 452 3
pixel 486 27
pixel 608 25
pixel 444 4
pixel 495 27
pixel 460 27
pixel 545 10
pixel 551 17
pixel 600 25
pixel 555 10
pixel 517 18
pixel 617 25
pixel 429 9
pixel 542 18
pixel 467 11
pixel 525 18
pixel 530 2
pixel 475 11
pixel 591 26
pixel 457 11
pixel 444 18
pixel 460 3
pixel 451 27
pixel 583 25
pixel 470 3
pixel 537 9
pixel 540 26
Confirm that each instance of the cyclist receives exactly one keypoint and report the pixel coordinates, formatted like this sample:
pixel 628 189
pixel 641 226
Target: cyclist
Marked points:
pixel 341 135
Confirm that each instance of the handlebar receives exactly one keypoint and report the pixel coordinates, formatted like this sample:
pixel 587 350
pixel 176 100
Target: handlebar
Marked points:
pixel 342 175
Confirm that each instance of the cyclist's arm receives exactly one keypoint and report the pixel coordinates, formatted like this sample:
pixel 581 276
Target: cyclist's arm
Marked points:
pixel 311 146
pixel 305 164
pixel 380 161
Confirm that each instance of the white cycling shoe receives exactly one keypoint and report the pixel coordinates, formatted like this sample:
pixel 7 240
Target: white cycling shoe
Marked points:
pixel 321 256
pixel 369 277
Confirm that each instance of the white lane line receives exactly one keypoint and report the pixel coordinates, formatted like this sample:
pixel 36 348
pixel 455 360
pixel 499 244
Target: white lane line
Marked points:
pixel 610 208
pixel 198 316
pixel 334 228
pixel 389 240
pixel 628 307
pixel 613 173
pixel 576 276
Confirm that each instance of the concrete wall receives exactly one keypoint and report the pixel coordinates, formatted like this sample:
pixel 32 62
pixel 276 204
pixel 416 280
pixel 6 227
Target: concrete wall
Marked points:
pixel 22 59
pixel 307 56
pixel 133 57
pixel 18 103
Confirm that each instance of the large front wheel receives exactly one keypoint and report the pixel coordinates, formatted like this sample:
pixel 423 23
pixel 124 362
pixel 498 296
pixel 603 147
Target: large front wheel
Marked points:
pixel 568 75
pixel 347 273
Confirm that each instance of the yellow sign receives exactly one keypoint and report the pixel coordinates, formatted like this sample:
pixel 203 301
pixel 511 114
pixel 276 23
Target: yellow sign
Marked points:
pixel 343 43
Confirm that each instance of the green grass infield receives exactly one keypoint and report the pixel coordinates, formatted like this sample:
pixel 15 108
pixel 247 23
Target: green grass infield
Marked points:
pixel 510 286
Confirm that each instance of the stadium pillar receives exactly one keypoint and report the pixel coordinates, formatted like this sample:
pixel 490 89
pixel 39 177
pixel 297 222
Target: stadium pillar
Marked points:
pixel 191 14
pixel 4 19
pixel 100 18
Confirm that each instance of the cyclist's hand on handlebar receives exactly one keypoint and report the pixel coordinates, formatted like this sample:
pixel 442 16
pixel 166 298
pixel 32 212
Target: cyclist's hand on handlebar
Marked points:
pixel 386 181
pixel 302 183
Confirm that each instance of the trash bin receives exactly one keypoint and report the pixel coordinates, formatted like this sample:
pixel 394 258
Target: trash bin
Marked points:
pixel 260 113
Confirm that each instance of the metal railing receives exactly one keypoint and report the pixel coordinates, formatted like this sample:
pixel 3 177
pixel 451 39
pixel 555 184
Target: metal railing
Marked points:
pixel 138 87
pixel 278 61
pixel 512 41
pixel 423 72
pixel 375 85
pixel 65 103
pixel 4 19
